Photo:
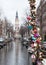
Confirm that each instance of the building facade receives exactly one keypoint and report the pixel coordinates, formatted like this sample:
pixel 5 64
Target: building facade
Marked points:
pixel 41 18
pixel 2 28
pixel 6 29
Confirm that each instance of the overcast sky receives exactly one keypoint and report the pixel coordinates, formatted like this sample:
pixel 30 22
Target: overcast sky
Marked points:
pixel 9 8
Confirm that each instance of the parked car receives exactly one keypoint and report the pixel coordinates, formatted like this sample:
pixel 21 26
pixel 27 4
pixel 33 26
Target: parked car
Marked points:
pixel 25 41
pixel 2 42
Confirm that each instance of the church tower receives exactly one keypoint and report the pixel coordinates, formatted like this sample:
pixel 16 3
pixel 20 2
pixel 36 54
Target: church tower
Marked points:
pixel 17 24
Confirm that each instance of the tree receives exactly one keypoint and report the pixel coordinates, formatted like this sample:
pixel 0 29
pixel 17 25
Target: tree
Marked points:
pixel 22 30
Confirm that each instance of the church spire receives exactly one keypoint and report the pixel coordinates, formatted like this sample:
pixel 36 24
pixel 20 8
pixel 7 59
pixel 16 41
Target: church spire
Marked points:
pixel 16 15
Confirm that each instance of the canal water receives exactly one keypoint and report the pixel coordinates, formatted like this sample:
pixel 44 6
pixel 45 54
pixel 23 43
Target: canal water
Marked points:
pixel 14 54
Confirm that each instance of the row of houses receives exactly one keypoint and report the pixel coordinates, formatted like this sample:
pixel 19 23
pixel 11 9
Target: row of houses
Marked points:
pixel 6 29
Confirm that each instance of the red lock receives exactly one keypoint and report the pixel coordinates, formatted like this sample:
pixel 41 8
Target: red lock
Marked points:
pixel 35 30
pixel 38 41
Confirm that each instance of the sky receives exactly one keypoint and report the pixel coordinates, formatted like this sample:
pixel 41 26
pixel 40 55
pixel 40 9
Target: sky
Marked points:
pixel 9 8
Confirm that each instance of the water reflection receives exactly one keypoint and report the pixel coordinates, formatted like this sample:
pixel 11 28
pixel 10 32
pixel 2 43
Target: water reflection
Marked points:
pixel 13 54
